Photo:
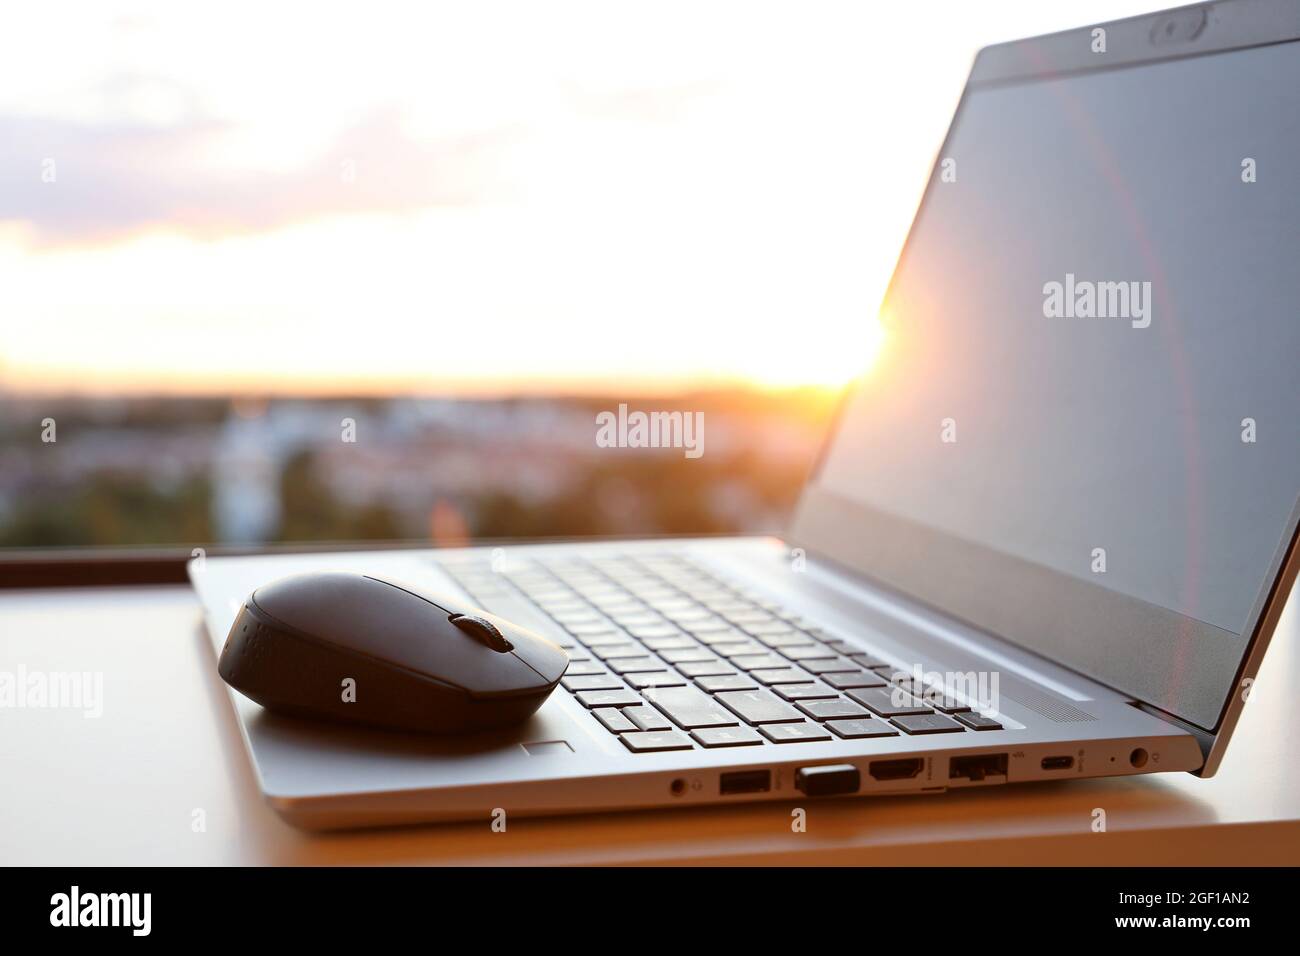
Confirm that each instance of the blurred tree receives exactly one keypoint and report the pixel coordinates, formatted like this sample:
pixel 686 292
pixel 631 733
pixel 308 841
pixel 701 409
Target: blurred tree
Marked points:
pixel 309 511
pixel 113 509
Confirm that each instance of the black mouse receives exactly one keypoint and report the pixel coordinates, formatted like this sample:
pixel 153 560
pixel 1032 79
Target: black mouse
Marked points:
pixel 354 647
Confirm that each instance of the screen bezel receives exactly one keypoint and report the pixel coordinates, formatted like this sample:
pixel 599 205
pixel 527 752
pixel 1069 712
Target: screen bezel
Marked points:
pixel 1169 661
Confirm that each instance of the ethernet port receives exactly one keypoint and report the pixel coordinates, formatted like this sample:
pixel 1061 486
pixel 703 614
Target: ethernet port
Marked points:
pixel 977 767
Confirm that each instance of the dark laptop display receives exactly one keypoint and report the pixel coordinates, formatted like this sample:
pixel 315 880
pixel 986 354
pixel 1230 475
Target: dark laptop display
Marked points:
pixel 1089 371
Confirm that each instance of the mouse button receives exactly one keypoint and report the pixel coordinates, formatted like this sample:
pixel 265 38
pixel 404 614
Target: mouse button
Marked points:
pixel 435 645
pixel 483 672
pixel 362 615
pixel 549 660
pixel 393 625
pixel 439 602
pixel 327 605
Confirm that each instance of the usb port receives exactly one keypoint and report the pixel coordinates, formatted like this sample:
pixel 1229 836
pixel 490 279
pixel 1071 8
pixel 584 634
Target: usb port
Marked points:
pixel 745 781
pixel 1058 763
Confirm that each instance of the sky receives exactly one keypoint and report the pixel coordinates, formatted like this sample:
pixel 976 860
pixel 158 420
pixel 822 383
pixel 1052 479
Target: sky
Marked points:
pixel 463 197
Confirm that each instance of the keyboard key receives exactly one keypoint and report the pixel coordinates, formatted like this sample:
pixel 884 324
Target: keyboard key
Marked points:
pixel 591 682
pixel 615 603
pixel 758 707
pixel 743 616
pixel 726 682
pixel 868 661
pixel 604 640
pixel 690 707
pixel 655 679
pixel 584 619
pixel 978 721
pixel 830 665
pixel 794 733
pixel 909 683
pixel 737 648
pixel 640 618
pixel 948 705
pixel 728 604
pixel 796 621
pixel 928 724
pixel 714 638
pixel 831 709
pixel 633 665
pixel 726 736
pixel 613 720
pixel 678 643
pixel 767 627
pixel 932 695
pixel 647 718
pixel 690 615
pixel 780 675
pixel 854 679
pixel 586 668
pixel 712 625
pixel 751 662
pixel 594 632
pixel 784 640
pixel 644 631
pixel 555 603
pixel 666 605
pixel 649 741
pixel 809 691
pixel 624 649
pixel 882 702
pixel 865 727
pixel 608 698
pixel 802 652
pixel 706 668
pixel 695 655
pixel 702 592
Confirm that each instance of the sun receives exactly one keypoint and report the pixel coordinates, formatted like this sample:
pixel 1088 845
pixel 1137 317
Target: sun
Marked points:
pixel 829 358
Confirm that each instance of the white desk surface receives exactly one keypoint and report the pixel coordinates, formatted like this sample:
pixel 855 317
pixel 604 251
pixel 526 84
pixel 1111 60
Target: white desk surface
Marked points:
pixel 122 789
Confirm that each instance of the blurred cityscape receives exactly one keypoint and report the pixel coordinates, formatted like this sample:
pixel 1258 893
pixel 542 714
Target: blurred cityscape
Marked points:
pixel 248 471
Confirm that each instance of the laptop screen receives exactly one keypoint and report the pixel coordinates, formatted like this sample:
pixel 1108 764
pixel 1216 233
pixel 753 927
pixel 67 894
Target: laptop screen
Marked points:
pixel 1092 343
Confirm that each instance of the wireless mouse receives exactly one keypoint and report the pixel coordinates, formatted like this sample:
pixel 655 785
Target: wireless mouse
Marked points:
pixel 357 648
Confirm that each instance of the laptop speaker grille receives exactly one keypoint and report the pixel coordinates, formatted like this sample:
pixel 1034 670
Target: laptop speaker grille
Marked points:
pixel 1048 706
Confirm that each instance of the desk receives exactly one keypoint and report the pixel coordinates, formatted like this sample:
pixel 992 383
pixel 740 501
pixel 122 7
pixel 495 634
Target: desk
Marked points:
pixel 122 789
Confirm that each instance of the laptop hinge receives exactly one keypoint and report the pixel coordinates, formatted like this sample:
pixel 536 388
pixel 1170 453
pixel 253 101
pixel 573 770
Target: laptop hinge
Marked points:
pixel 1204 739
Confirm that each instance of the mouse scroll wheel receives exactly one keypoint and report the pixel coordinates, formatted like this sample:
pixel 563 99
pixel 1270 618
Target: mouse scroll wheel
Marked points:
pixel 483 631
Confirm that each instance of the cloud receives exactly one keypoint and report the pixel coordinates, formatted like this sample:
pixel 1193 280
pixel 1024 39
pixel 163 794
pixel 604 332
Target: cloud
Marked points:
pixel 643 104
pixel 116 179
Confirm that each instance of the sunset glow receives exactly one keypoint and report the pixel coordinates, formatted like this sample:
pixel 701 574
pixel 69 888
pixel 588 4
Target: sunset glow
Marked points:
pixel 658 198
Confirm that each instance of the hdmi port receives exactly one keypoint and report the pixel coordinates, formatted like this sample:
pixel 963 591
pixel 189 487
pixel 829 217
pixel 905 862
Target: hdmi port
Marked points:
pixel 904 769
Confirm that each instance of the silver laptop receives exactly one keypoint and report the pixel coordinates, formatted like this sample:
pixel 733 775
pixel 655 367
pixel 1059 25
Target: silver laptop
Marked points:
pixel 1049 536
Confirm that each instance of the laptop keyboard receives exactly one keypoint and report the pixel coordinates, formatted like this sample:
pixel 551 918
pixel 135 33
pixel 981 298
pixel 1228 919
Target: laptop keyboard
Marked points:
pixel 669 656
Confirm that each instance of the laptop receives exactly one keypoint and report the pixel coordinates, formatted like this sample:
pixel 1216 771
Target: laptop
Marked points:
pixel 1050 533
